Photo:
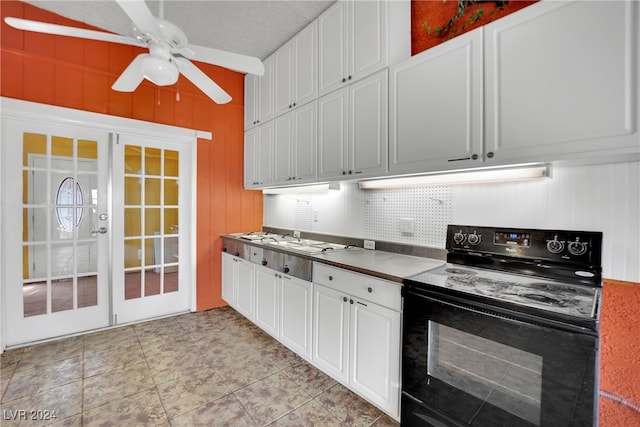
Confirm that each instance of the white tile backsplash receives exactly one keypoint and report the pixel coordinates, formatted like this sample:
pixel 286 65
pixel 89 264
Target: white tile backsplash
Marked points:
pixel 594 197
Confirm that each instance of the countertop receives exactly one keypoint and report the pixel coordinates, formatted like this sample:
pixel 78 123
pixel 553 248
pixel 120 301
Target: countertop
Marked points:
pixel 385 265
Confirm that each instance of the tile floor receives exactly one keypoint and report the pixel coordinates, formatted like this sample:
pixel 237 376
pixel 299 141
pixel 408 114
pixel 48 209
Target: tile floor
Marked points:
pixel 210 368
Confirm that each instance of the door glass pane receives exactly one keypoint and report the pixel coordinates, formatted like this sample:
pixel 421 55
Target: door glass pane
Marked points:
pixel 132 222
pixel 132 285
pixel 61 294
pixel 151 221
pixel 60 196
pixel 151 230
pixel 132 159
pixel 152 161
pixel 87 291
pixel 152 191
pixel 33 144
pixel 171 192
pixel 170 163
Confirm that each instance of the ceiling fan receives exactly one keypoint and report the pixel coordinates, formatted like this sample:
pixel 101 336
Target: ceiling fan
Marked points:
pixel 169 52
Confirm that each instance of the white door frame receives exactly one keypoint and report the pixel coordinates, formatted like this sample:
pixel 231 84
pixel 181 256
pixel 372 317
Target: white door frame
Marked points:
pixel 42 113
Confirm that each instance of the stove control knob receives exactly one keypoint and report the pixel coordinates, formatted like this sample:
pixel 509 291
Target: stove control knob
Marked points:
pixel 474 239
pixel 577 248
pixel 459 238
pixel 555 246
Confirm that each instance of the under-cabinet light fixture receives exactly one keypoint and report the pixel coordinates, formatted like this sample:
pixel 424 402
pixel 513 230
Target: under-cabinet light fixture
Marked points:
pixel 498 174
pixel 303 189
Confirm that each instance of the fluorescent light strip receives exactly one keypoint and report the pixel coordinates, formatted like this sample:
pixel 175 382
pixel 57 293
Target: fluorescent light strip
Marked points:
pixel 461 177
pixel 318 188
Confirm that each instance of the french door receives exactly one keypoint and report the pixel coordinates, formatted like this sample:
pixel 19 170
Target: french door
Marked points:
pixel 56 231
pixel 96 229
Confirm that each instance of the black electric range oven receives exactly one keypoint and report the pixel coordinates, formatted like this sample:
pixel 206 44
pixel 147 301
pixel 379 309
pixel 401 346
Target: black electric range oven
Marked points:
pixel 506 332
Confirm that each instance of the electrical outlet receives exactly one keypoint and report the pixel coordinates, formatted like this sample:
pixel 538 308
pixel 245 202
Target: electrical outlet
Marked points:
pixel 407 225
pixel 296 234
pixel 370 244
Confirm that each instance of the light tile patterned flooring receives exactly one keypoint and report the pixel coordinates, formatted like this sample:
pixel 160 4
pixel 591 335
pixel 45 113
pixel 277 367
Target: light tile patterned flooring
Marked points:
pixel 210 368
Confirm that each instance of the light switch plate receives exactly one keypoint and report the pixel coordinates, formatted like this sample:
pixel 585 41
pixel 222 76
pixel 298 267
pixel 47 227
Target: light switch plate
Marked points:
pixel 370 244
pixel 296 234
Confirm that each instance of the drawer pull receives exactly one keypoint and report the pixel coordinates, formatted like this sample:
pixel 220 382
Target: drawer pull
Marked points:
pixel 344 299
pixel 330 277
pixel 370 289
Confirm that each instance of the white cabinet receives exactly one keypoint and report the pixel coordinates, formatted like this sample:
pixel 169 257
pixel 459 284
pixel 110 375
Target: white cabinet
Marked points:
pixel 536 85
pixel 238 284
pixel 331 332
pixel 353 129
pixel 357 38
pixel 258 156
pixel 435 112
pixel 562 81
pixel 296 70
pixel 356 333
pixel 295 315
pixel 258 96
pixel 294 160
pixel 267 312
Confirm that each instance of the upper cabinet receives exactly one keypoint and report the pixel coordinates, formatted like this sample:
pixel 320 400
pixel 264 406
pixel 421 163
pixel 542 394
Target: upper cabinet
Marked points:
pixel 353 129
pixel 553 81
pixel 258 96
pixel 562 78
pixel 357 38
pixel 436 107
pixel 296 70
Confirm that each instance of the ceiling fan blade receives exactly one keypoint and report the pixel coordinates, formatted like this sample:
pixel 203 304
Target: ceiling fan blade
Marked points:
pixel 132 76
pixel 140 14
pixel 223 58
pixel 62 30
pixel 202 81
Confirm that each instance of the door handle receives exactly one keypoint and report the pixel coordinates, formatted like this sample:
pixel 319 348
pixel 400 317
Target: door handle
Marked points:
pixel 102 230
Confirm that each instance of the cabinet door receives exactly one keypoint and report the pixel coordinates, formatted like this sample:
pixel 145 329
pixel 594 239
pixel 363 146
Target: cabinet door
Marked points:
pixel 330 332
pixel 251 94
pixel 375 354
pixel 283 88
pixel 559 83
pixel 332 47
pixel 264 161
pixel 436 107
pixel 267 310
pixel 304 147
pixel 251 154
pixel 245 288
pixel 305 82
pixel 367 38
pixel 295 315
pixel 282 147
pixel 333 134
pixel 228 279
pixel 368 120
pixel 265 87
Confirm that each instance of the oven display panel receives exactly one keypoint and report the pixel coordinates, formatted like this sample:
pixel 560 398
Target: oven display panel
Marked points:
pixel 512 239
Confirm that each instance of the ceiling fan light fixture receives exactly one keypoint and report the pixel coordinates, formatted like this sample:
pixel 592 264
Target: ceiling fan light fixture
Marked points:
pixel 159 71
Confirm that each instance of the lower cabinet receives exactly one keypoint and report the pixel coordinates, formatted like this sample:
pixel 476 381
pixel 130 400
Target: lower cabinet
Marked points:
pixel 355 340
pixel 238 284
pixel 344 323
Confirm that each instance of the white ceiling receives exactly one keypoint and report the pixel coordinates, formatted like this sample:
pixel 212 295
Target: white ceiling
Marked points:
pixel 249 27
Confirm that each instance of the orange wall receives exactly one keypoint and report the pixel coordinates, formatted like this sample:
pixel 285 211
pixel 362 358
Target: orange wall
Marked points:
pixel 78 74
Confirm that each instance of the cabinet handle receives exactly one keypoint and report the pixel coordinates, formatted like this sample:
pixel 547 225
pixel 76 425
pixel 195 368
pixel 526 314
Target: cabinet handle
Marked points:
pixel 474 157
pixel 490 154
pixel 370 289
pixel 344 172
pixel 351 301
pixel 349 77
pixel 330 277
pixel 294 104
pixel 344 80
pixel 344 299
pixel 350 172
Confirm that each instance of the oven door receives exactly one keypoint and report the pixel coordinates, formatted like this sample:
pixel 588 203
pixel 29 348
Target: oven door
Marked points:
pixel 466 365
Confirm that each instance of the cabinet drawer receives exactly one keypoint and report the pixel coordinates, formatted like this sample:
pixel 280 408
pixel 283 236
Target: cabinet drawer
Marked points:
pixel 358 285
